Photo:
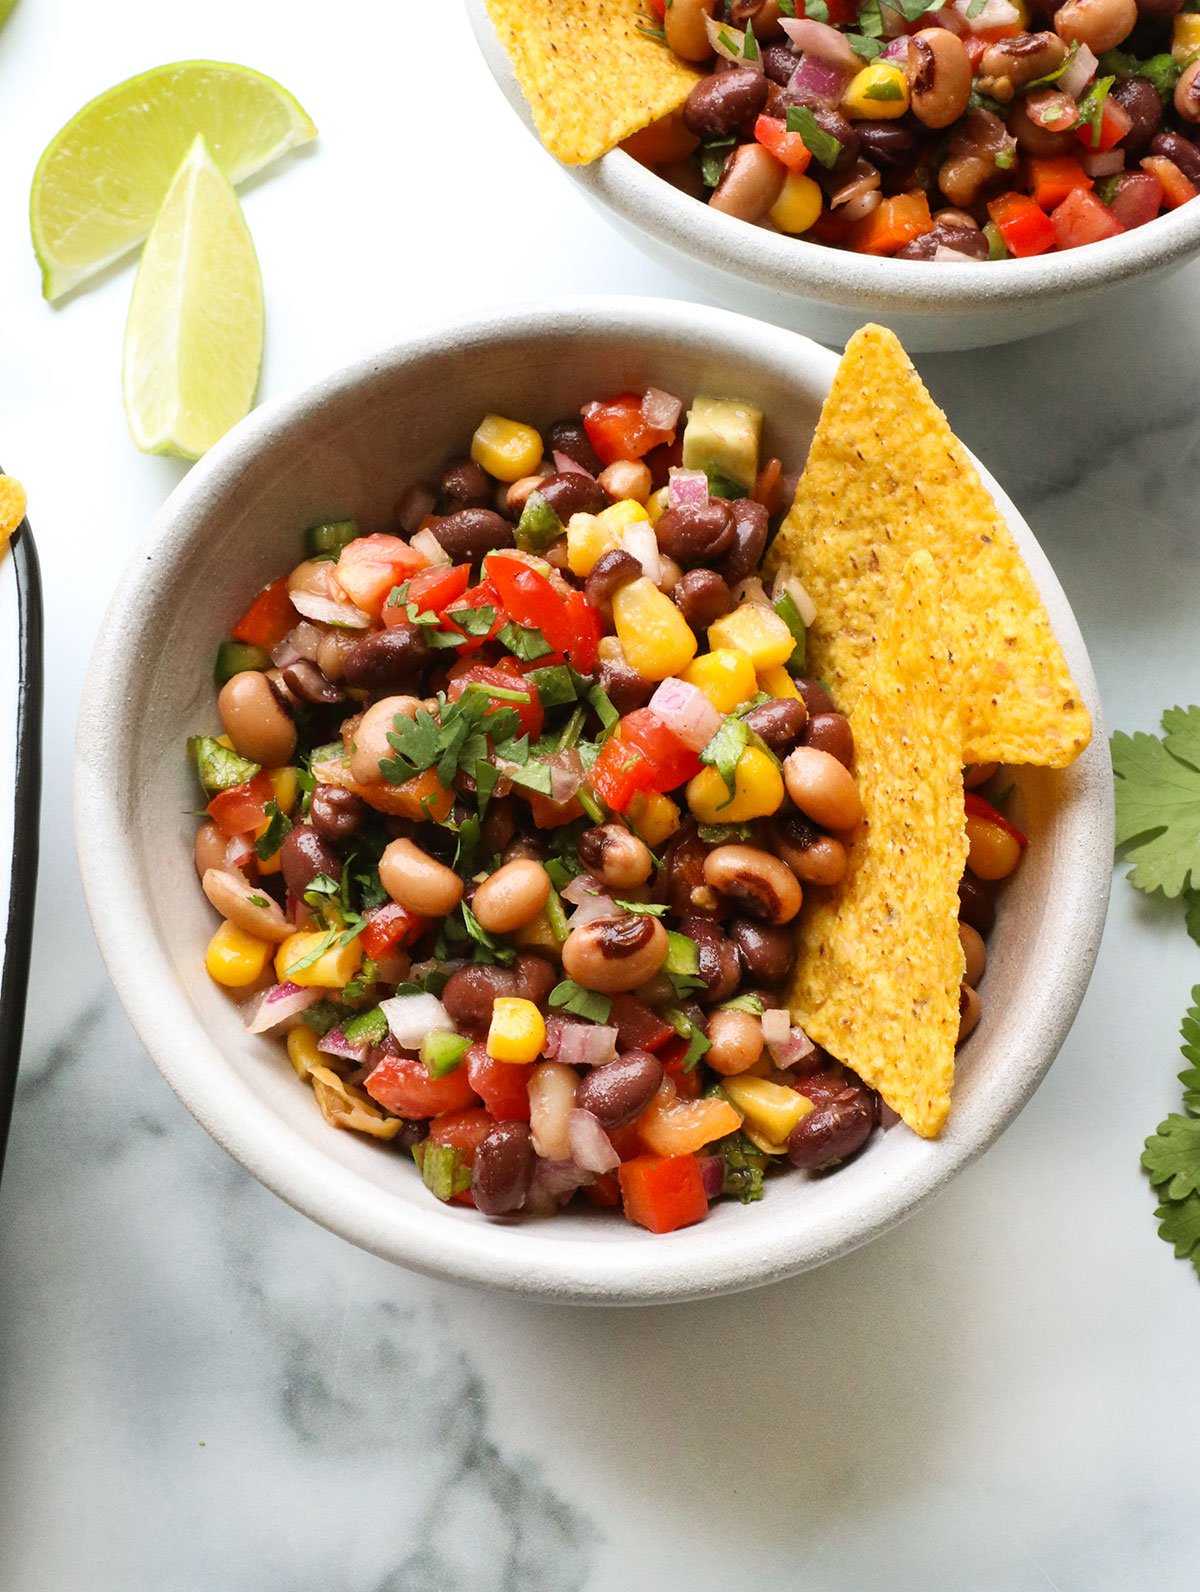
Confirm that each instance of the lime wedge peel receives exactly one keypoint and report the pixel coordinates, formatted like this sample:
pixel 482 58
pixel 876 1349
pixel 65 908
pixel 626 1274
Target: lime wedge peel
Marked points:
pixel 194 337
pixel 103 178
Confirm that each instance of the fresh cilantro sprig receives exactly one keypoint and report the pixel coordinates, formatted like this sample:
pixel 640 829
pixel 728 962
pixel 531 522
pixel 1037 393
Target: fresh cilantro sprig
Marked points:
pixel 1171 1157
pixel 1158 804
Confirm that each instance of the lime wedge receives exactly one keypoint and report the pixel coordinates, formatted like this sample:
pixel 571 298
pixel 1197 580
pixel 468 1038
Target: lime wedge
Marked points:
pixel 103 177
pixel 194 338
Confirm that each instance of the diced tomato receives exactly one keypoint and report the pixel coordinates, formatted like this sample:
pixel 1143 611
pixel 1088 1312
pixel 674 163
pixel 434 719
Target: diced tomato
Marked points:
pixel 842 13
pixel 673 763
pixel 269 617
pixel 584 648
pixel 1050 181
pixel 1138 199
pixel 1083 218
pixel 529 598
pixel 464 1131
pixel 638 1026
pixel 663 1192
pixel 502 679
pixel 830 227
pixel 244 807
pixel 662 460
pixel 1177 189
pixel 1024 226
pixel 433 590
pixel 484 595
pixel 659 7
pixel 402 1085
pixel 766 487
pixel 617 429
pixel 370 566
pixel 977 48
pixel 605 1192
pixel 789 148
pixel 978 808
pixel 687 1084
pixel 1115 122
pixel 390 926
pixel 503 1086
pixel 892 224
pixel 619 773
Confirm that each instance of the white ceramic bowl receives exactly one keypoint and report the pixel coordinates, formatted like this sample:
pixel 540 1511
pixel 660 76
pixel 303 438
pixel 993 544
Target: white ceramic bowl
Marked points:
pixel 828 293
pixel 346 447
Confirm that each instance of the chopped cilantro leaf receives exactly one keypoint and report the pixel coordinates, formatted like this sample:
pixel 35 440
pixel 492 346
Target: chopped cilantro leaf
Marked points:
pixel 473 621
pixel 1091 108
pixel 279 827
pixel 699 1043
pixel 490 949
pixel 744 1165
pixel 217 767
pixel 1171 1157
pixel 744 1003
pixel 523 642
pixel 648 909
pixel 599 699
pixel 887 89
pixel 682 965
pixel 712 160
pixel 821 145
pixel 1158 803
pixel 554 686
pixel 725 834
pixel 725 748
pixel 568 996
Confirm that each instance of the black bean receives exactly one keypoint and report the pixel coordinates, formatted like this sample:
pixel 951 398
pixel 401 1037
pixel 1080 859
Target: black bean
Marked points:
pixel 830 732
pixel 976 903
pixel 836 125
pixel 570 437
pixel 1141 103
pixel 778 723
pixel 816 698
pixel 767 950
pixel 503 1169
pixel 466 485
pixel 719 965
pixel 471 993
pixel 1158 10
pixel 696 533
pixel 627 690
pixel 888 145
pixel 336 814
pixel 307 682
pixel 388 660
pixel 946 235
pixel 1185 154
pixel 535 978
pixel 620 1090
pixel 702 596
pixel 305 854
pixel 684 875
pixel 467 534
pixel 832 1132
pixel 779 63
pixel 750 525
pixel 572 493
pixel 612 570
pixel 721 102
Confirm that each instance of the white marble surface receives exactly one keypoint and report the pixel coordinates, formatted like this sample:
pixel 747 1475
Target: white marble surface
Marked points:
pixel 198 1388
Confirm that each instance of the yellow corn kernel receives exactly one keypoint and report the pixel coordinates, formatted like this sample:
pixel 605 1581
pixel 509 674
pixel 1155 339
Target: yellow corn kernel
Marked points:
pixel 286 785
pixel 1185 41
pixel 235 958
pixel 223 740
pixel 539 935
pixel 505 448
pixel 757 793
pixel 517 1032
pixel 1022 18
pixel 654 817
pixel 756 630
pixel 798 205
pixel 658 503
pixel 303 1053
pixel 725 675
pixel 588 539
pixel 626 511
pixel 992 852
pixel 777 682
pixel 654 635
pixel 769 1109
pixel 879 91
pixel 335 968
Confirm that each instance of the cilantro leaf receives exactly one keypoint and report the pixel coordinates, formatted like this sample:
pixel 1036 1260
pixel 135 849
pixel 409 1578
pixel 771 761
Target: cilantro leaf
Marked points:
pixel 1158 803
pixel 568 996
pixel 1190 1076
pixel 648 909
pixel 1172 1157
pixel 279 827
pixel 490 949
pixel 1179 1226
pixel 724 750
pixel 415 742
pixel 1091 109
pixel 888 89
pixel 822 145
pixel 523 642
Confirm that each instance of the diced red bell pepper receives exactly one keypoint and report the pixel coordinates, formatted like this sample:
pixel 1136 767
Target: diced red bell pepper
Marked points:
pixel 1083 218
pixel 788 148
pixel 605 1192
pixel 388 927
pixel 370 566
pixel 663 1192
pixel 503 1086
pixel 619 773
pixel 1024 226
pixel 269 617
pixel 842 13
pixel 1050 181
pixel 502 679
pixel 433 590
pixel 402 1085
pixel 584 648
pixel 1138 199
pixel 687 1084
pixel 1115 122
pixel 892 224
pixel 673 763
pixel 638 1026
pixel 529 598
pixel 484 595
pixel 617 429
pixel 244 807
pixel 464 1131
pixel 1177 189
pixel 977 807
pixel 659 7
pixel 830 227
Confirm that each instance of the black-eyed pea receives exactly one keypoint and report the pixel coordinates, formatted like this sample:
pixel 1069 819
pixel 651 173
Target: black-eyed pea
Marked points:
pixel 766 887
pixel 371 745
pixel 512 897
pixel 974 954
pixel 616 856
pixel 1187 93
pixel 613 955
pixel 939 76
pixel 822 788
pixel 255 721
pixel 683 24
pixel 970 1009
pixel 1100 24
pixel 735 1040
pixel 211 848
pixel 247 908
pixel 418 881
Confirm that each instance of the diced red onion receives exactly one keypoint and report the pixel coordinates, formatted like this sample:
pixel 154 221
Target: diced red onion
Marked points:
pixel 1102 162
pixel 995 14
pixel 785 581
pixel 591 908
pixel 719 33
pixel 334 1044
pixel 861 204
pixel 686 710
pixel 566 465
pixel 712 1174
pixel 794 1047
pixel 887 1117
pixel 427 544
pixel 581 1044
pixel 897 50
pixel 638 538
pixel 591 1147
pixel 553 1184
pixel 416 504
pixel 581 888
pixel 281 1002
pixel 951 256
pixel 820 40
pixel 327 612
pixel 566 775
pixel 776 1025
pixel 750 591
pixel 239 853
pixel 687 488
pixel 1080 73
pixel 283 653
pixel 411 1017
pixel 820 83
pixel 661 409
pixel 302 641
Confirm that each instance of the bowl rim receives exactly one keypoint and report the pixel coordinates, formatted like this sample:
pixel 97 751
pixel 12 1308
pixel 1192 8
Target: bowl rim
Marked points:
pixel 787 265
pixel 475 1251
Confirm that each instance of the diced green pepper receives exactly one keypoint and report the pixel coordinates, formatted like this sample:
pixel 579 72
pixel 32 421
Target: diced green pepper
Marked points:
pixel 219 768
pixel 442 1169
pixel 327 541
pixel 538 526
pixel 785 607
pixel 233 657
pixel 442 1052
pixel 367 1028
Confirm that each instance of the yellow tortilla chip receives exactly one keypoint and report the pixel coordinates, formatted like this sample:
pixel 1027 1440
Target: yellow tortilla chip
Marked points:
pixel 885 477
pixel 879 962
pixel 590 71
pixel 12 507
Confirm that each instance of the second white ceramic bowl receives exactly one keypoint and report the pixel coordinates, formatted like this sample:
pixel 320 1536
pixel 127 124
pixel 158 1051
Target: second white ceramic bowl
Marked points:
pixel 828 293
pixel 346 447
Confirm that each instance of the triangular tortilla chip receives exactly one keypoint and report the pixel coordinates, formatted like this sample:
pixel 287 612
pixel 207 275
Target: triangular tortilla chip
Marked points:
pixel 879 962
pixel 12 507
pixel 885 477
pixel 590 70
